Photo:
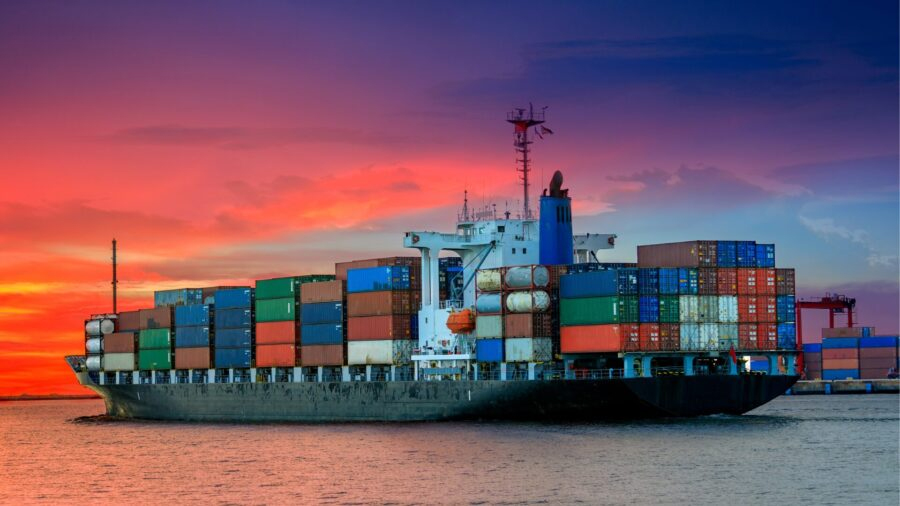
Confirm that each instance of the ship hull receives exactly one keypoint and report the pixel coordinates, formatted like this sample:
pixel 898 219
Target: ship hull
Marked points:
pixel 404 401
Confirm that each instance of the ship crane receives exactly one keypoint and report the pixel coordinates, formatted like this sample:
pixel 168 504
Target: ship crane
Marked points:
pixel 834 303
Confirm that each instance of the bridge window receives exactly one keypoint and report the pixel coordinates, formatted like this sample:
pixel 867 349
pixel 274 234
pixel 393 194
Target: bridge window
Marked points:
pixel 514 251
pixel 501 228
pixel 524 251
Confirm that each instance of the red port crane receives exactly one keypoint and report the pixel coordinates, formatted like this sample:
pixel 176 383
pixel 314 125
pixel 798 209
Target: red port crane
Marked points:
pixel 834 303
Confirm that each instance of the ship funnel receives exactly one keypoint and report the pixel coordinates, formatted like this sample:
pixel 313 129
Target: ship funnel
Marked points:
pixel 556 224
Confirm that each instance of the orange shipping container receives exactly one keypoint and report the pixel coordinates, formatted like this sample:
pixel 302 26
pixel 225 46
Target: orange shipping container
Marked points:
pixel 590 338
pixel 748 336
pixel 276 355
pixel 765 281
pixel 384 302
pixel 650 340
pixel 766 309
pixel 193 358
pixel 727 281
pixel 120 342
pixel 840 363
pixel 370 328
pixel 767 334
pixel 839 353
pixel 746 281
pixel 286 332
pixel 323 291
pixel 747 311
pixel 322 354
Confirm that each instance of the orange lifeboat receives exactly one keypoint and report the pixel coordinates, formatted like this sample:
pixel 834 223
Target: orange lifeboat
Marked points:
pixel 461 322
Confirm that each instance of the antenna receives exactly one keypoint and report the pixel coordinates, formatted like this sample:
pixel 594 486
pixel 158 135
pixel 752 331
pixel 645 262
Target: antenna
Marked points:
pixel 115 280
pixel 522 121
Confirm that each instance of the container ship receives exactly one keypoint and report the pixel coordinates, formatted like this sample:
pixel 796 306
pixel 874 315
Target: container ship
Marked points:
pixel 506 318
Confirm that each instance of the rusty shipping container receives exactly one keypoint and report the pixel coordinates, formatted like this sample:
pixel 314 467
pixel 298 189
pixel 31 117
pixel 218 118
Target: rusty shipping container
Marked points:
pixel 283 332
pixel 371 328
pixel 157 318
pixel 746 281
pixel 341 268
pixel 847 332
pixel 384 302
pixel 766 281
pixel 193 358
pixel 767 308
pixel 120 342
pixel 276 355
pixel 528 325
pixel 129 320
pixel 322 355
pixel 670 336
pixel 678 254
pixel 785 281
pixel 727 281
pixel 707 281
pixel 322 291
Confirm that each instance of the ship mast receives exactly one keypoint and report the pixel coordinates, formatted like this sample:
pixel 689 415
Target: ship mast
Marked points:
pixel 522 121
pixel 115 280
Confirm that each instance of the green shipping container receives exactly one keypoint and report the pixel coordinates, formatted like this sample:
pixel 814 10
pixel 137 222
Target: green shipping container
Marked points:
pixel 589 311
pixel 276 310
pixel 280 288
pixel 155 339
pixel 669 309
pixel 149 360
pixel 629 309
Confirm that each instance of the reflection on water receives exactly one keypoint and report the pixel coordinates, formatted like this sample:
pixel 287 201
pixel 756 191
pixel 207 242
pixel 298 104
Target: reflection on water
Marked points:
pixel 794 450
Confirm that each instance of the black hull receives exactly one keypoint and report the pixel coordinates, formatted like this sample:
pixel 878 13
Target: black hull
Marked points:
pixel 582 400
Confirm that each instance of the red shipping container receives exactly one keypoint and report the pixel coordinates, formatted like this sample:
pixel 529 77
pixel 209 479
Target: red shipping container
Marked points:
pixel 120 342
pixel 765 281
pixel 650 340
pixel 670 336
pixel 590 339
pixel 883 352
pixel 322 355
pixel 766 308
pixel 876 363
pixel 528 325
pixel 727 281
pixel 876 373
pixel 631 336
pixel 746 281
pixel 748 336
pixel 812 361
pixel 286 332
pixel 322 291
pixel 839 353
pixel 767 334
pixel 384 302
pixel 276 355
pixel 747 311
pixel 706 281
pixel 157 318
pixel 785 282
pixel 374 328
pixel 193 358
pixel 129 320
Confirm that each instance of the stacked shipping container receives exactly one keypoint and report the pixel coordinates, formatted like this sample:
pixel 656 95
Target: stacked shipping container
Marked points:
pixel 877 356
pixel 382 303
pixel 846 354
pixel 277 321
pixel 840 358
pixel 155 339
pixel 194 336
pixel 234 320
pixel 322 323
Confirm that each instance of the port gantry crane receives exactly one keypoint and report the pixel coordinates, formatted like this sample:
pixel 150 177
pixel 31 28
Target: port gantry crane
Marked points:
pixel 834 303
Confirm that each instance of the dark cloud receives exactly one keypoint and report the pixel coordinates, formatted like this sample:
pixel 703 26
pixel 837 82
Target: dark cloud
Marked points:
pixel 246 138
pixel 861 176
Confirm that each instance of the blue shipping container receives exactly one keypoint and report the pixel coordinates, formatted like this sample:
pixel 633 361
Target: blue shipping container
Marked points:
pixel 227 358
pixel 627 281
pixel 233 338
pixel 233 318
pixel 840 374
pixel 746 253
pixel 322 312
pixel 195 314
pixel 234 298
pixel 812 348
pixel 688 281
pixel 322 333
pixel 191 337
pixel 668 281
pixel 765 255
pixel 177 297
pixel 787 336
pixel 840 342
pixel 588 284
pixel 378 278
pixel 726 254
pixel 489 350
pixel 648 281
pixel 785 309
pixel 649 308
pixel 878 342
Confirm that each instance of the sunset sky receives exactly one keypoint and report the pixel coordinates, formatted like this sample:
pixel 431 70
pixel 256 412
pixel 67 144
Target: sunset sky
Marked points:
pixel 221 142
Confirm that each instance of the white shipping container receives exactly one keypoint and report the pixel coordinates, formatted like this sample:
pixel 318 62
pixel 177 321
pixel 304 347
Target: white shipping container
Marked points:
pixel 118 362
pixel 728 336
pixel 382 352
pixel 708 309
pixel 528 349
pixel 489 327
pixel 728 309
pixel 690 336
pixel 688 308
pixel 709 336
